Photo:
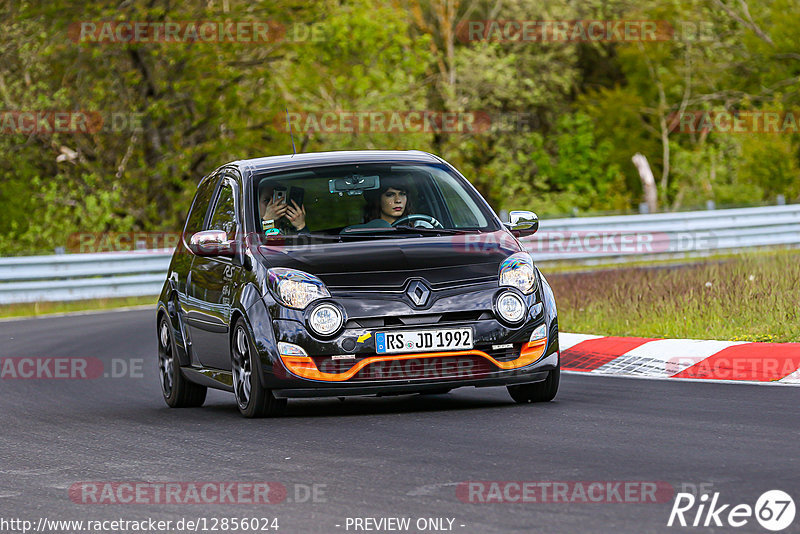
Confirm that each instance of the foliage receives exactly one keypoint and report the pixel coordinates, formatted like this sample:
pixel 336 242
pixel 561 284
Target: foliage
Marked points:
pixel 566 117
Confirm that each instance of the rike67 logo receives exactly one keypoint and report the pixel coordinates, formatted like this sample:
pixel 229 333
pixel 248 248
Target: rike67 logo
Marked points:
pixel 774 510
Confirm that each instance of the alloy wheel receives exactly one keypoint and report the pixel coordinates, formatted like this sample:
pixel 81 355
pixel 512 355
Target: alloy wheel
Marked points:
pixel 241 368
pixel 165 360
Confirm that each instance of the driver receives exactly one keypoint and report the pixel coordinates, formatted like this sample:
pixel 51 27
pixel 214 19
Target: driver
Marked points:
pixel 388 203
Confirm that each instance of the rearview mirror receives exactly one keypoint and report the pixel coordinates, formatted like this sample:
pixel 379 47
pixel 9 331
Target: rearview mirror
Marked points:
pixel 211 243
pixel 354 185
pixel 523 223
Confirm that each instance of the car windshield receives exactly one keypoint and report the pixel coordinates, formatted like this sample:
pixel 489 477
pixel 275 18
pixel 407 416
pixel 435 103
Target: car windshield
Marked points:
pixel 368 201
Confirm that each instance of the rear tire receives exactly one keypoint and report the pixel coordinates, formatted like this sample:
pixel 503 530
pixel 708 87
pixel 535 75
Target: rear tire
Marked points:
pixel 252 399
pixel 178 392
pixel 544 391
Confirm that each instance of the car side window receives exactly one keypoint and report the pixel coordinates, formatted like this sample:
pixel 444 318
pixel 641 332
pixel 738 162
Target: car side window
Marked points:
pixel 224 215
pixel 197 214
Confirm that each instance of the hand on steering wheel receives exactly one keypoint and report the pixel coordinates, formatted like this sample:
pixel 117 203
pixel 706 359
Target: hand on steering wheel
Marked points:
pixel 425 221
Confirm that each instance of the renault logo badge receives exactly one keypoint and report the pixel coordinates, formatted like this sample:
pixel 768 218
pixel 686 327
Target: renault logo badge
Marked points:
pixel 418 292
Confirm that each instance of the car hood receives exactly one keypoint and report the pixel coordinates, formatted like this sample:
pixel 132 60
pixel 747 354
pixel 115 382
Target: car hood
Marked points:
pixel 386 263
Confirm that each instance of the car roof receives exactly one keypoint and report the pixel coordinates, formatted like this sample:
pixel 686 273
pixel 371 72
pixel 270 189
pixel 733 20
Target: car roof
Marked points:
pixel 329 158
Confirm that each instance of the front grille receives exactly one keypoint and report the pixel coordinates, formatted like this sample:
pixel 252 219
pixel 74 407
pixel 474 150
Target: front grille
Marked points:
pixel 326 364
pixel 418 368
pixel 503 355
pixel 447 367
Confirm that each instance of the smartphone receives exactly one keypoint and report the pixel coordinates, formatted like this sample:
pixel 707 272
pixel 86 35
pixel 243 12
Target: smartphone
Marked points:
pixel 278 194
pixel 296 195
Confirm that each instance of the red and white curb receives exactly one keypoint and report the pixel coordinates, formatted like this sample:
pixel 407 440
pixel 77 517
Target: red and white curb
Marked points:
pixel 740 361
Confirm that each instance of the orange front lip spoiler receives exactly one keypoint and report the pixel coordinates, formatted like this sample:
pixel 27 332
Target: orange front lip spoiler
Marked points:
pixel 304 366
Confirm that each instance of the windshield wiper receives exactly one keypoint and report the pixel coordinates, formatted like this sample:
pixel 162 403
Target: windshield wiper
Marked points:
pixel 385 233
pixel 298 237
pixel 430 231
pixel 403 230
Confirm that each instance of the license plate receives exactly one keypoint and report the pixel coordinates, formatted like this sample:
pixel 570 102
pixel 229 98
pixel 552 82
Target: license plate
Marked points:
pixel 423 340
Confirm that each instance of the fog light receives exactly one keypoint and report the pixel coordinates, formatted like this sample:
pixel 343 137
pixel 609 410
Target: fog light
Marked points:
pixel 510 307
pixel 325 319
pixel 536 345
pixel 289 349
pixel 538 334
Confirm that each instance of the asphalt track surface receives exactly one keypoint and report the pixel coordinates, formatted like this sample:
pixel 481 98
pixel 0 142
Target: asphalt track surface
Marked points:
pixel 380 457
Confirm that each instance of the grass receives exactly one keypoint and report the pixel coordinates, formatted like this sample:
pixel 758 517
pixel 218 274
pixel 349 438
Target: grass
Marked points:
pixel 562 266
pixel 48 308
pixel 745 297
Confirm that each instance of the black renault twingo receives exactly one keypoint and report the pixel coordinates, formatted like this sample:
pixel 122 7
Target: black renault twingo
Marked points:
pixel 351 273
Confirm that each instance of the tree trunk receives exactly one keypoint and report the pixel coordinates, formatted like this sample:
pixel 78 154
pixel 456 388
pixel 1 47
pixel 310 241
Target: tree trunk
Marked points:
pixel 648 182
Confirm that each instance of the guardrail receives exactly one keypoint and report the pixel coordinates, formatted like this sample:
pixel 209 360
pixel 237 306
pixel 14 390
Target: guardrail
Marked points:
pixel 585 239
pixel 697 233
pixel 82 276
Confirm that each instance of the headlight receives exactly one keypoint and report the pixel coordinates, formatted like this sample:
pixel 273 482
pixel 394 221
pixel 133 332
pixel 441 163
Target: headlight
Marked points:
pixel 294 288
pixel 510 307
pixel 325 319
pixel 518 271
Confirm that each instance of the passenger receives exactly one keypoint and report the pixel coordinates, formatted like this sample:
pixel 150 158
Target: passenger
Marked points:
pixel 272 213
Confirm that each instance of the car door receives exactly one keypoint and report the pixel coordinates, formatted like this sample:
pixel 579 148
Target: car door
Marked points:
pixel 211 285
pixel 182 265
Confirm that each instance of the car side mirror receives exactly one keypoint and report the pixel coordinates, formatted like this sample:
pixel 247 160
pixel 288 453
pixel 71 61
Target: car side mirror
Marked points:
pixel 211 243
pixel 523 223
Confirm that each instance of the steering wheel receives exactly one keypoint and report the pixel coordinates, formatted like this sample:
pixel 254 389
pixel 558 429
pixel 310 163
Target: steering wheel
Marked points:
pixel 424 221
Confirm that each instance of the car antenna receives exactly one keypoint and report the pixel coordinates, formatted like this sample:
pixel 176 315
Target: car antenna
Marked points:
pixel 291 135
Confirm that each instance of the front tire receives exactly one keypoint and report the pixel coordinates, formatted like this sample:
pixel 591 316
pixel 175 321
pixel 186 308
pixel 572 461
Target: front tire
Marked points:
pixel 178 392
pixel 253 399
pixel 544 391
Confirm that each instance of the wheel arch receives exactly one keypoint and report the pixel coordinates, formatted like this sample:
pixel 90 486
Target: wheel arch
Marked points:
pixel 167 308
pixel 252 310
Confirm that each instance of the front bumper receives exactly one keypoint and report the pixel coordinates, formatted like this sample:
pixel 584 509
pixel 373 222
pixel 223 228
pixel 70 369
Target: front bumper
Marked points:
pixel 504 378
pixel 348 363
pixel 371 374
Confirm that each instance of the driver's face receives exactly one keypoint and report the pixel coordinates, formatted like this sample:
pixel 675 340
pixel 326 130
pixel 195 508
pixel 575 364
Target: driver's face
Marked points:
pixel 393 204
